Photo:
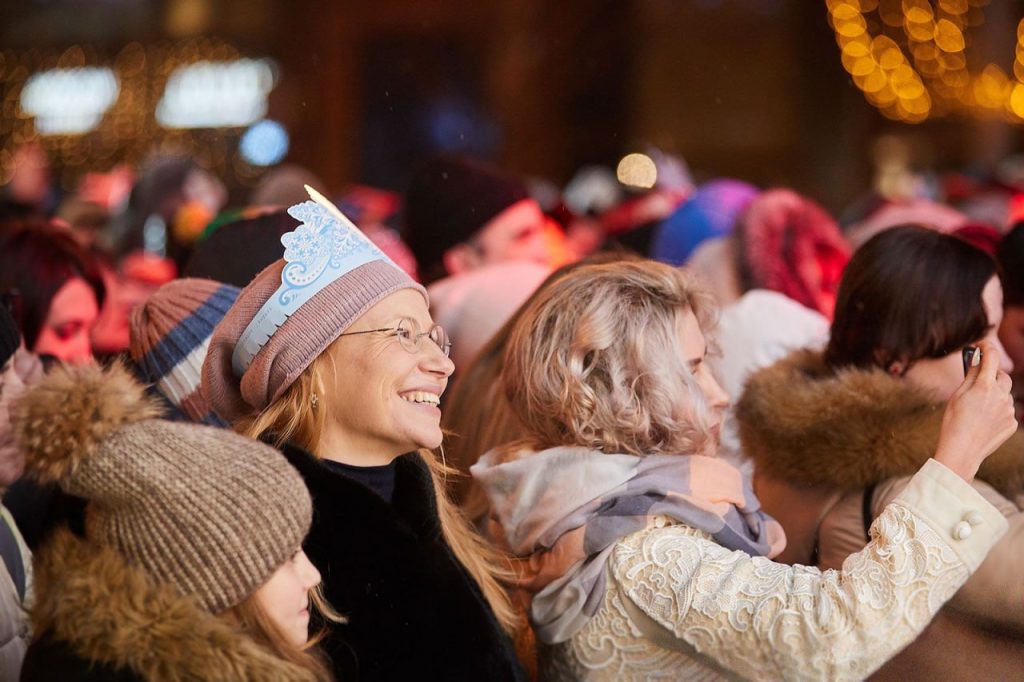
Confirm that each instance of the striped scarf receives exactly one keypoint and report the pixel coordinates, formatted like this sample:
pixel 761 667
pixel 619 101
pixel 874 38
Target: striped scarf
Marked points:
pixel 561 511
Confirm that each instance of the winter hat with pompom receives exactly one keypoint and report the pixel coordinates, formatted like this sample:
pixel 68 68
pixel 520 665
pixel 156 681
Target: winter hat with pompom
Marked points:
pixel 203 509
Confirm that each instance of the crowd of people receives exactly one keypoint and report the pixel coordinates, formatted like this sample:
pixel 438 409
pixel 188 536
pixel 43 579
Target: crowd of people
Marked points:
pixel 468 432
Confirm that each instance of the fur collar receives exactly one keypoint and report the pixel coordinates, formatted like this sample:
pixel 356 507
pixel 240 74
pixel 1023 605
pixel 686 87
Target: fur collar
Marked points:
pixel 802 422
pixel 110 612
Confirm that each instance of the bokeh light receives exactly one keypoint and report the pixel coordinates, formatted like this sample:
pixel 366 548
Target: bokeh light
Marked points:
pixel 265 143
pixel 637 170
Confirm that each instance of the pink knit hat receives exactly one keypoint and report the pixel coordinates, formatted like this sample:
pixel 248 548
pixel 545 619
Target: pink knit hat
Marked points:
pixel 295 308
pixel 302 337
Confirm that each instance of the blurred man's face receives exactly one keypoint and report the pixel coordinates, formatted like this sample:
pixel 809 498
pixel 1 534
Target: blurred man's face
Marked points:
pixel 521 232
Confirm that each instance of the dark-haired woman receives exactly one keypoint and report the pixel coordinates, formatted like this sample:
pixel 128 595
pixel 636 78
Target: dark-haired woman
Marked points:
pixel 836 436
pixel 54 289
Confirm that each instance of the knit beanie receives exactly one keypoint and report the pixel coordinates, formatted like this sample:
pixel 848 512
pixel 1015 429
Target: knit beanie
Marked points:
pixel 710 212
pixel 237 251
pixel 170 334
pixel 789 244
pixel 449 200
pixel 296 339
pixel 205 510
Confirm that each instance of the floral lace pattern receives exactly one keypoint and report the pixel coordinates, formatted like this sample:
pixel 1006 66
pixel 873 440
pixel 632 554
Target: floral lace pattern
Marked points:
pixel 712 610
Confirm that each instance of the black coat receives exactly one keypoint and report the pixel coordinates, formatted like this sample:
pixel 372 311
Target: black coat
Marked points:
pixel 50 660
pixel 413 611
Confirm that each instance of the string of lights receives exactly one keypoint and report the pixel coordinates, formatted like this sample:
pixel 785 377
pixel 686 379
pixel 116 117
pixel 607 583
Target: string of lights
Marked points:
pixel 909 58
pixel 90 111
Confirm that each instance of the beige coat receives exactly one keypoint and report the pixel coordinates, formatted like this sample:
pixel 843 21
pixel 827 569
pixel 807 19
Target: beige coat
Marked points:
pixel 819 439
pixel 680 606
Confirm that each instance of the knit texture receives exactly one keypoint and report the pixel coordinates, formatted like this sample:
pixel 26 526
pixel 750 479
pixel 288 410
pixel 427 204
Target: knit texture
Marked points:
pixel 297 342
pixel 203 509
pixel 170 334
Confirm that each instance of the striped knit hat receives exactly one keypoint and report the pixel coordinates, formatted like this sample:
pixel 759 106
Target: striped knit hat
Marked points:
pixel 170 335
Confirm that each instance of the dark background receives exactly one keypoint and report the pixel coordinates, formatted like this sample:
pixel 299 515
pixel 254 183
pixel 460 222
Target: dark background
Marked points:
pixel 747 88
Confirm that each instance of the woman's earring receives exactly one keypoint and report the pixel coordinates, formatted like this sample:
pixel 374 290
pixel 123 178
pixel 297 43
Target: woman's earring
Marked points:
pixel 314 401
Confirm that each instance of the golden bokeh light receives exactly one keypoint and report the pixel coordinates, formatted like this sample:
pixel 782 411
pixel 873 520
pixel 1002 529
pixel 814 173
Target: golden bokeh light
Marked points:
pixel 909 58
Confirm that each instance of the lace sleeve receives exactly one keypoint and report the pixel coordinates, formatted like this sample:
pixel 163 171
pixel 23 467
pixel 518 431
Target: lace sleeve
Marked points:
pixel 771 621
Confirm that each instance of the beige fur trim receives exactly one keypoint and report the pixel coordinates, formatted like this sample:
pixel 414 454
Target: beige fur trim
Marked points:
pixel 805 424
pixel 110 612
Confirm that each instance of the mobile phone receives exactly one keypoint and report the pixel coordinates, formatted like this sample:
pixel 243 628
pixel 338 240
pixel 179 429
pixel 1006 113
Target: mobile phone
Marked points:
pixel 968 356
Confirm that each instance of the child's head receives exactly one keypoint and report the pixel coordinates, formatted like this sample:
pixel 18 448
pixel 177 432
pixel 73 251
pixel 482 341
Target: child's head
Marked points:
pixel 217 516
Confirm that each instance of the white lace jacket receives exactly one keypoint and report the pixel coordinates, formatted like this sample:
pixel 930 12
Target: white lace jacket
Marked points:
pixel 680 606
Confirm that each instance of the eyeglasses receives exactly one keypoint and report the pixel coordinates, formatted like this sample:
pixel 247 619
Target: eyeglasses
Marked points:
pixel 409 335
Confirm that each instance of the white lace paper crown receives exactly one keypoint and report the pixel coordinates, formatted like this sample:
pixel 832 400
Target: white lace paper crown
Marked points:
pixel 326 246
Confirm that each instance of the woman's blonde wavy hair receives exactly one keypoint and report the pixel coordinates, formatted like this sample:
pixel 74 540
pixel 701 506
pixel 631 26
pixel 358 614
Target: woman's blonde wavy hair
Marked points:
pixel 292 418
pixel 595 361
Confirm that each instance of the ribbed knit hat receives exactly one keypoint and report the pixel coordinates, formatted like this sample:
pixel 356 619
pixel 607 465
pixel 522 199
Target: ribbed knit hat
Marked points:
pixel 710 212
pixel 451 198
pixel 170 334
pixel 789 244
pixel 298 341
pixel 203 509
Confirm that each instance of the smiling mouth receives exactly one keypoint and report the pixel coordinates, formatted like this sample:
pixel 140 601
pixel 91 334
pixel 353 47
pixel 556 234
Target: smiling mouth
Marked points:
pixel 422 398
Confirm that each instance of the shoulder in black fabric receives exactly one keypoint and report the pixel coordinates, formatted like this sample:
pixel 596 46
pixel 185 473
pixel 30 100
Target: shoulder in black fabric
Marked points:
pixel 413 611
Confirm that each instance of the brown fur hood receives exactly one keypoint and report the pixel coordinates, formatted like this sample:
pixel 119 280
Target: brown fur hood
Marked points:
pixel 802 422
pixel 109 612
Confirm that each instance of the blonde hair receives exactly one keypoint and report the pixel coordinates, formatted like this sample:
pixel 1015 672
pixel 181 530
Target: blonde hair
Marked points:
pixel 293 418
pixel 595 361
pixel 477 416
pixel 255 620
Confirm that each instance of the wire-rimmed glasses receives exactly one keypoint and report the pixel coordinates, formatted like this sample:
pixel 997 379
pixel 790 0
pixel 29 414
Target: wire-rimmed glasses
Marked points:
pixel 409 335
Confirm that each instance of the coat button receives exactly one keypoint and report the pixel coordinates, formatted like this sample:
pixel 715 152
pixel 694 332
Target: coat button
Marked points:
pixel 973 518
pixel 962 530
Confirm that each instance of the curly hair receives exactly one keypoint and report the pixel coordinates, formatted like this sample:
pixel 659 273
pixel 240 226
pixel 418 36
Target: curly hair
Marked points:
pixel 595 361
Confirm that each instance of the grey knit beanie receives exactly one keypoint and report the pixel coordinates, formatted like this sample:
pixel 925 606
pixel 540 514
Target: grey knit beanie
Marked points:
pixel 206 510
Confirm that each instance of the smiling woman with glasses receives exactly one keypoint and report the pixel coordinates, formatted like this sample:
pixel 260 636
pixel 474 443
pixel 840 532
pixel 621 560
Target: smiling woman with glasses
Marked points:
pixel 331 354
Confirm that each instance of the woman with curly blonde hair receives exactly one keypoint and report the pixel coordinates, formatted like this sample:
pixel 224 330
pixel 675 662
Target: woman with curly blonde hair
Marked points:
pixel 647 555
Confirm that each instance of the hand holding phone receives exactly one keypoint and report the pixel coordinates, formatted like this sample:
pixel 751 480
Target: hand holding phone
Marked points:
pixel 969 353
pixel 980 415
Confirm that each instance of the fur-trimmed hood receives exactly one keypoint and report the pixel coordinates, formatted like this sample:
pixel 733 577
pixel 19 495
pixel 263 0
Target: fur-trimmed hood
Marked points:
pixel 802 422
pixel 110 613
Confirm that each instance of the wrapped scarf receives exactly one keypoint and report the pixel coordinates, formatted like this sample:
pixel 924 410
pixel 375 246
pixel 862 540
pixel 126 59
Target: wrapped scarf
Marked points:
pixel 561 511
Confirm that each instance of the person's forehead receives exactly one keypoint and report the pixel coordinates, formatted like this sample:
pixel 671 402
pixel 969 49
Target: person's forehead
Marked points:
pixel 691 336
pixel 523 213
pixel 76 298
pixel 403 303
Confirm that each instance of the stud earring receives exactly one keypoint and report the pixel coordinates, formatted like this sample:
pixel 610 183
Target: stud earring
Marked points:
pixel 314 401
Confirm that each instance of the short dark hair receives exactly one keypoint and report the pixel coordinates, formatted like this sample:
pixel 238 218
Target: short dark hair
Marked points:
pixel 1010 256
pixel 909 293
pixel 36 260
